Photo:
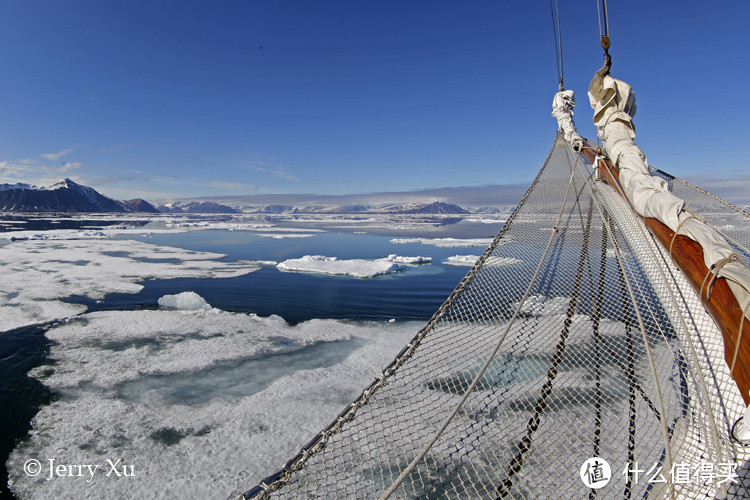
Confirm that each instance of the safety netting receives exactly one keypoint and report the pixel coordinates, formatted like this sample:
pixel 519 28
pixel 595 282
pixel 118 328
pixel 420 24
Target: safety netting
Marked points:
pixel 572 360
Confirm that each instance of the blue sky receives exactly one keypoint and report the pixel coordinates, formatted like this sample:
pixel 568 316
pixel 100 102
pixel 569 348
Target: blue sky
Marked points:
pixel 170 99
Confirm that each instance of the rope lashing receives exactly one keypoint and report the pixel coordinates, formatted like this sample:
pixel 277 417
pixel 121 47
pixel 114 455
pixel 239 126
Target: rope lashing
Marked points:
pixel 714 272
pixel 674 237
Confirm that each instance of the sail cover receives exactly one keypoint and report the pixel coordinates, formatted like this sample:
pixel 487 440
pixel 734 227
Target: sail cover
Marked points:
pixel 572 338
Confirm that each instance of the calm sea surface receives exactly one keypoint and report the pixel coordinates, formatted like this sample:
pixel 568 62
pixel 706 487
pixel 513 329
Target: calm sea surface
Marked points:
pixel 411 294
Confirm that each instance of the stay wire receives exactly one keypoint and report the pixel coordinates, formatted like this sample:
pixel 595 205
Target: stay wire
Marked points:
pixel 606 19
pixel 602 15
pixel 555 12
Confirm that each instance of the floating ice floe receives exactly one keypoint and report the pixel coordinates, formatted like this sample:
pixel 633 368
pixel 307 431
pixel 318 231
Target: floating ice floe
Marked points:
pixel 185 301
pixel 470 260
pixel 461 260
pixel 359 268
pixel 280 236
pixel 407 260
pixel 446 242
pixel 200 404
pixel 38 274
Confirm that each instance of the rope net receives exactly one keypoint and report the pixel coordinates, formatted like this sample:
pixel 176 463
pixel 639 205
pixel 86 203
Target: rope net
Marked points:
pixel 572 337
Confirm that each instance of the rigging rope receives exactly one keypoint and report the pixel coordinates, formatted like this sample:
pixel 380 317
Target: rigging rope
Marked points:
pixel 602 13
pixel 558 42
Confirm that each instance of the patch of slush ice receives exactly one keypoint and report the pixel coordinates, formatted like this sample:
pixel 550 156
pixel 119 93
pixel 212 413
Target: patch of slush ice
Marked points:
pixel 185 301
pixel 124 380
pixel 446 242
pixel 359 268
pixel 38 274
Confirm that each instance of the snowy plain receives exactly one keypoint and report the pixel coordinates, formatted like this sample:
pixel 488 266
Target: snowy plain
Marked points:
pixel 194 401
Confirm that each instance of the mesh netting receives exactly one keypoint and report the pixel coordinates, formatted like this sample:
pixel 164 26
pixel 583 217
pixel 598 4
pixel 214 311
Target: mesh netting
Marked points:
pixel 572 337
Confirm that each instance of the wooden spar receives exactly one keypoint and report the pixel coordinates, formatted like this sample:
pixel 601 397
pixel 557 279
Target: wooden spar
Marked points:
pixel 688 256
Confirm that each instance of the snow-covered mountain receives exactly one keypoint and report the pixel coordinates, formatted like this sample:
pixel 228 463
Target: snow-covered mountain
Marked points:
pixel 197 207
pixel 18 185
pixel 63 196
pixel 140 205
pixel 68 196
pixel 434 208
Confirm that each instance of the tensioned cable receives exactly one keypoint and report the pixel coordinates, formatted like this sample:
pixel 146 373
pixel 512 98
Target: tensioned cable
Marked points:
pixel 405 473
pixel 558 41
pixel 599 10
pixel 604 37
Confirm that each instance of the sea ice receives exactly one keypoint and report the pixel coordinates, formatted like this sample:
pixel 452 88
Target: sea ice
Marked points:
pixel 461 260
pixel 173 394
pixel 359 268
pixel 491 261
pixel 446 242
pixel 400 259
pixel 185 301
pixel 38 274
pixel 280 236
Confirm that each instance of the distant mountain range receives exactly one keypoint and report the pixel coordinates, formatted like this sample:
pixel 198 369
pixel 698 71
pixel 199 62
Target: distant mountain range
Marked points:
pixel 197 207
pixel 208 207
pixel 69 196
pixel 64 196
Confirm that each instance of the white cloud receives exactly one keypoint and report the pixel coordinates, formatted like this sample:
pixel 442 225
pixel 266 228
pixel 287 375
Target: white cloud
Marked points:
pixel 732 185
pixel 56 156
pixel 37 171
pixel 12 171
